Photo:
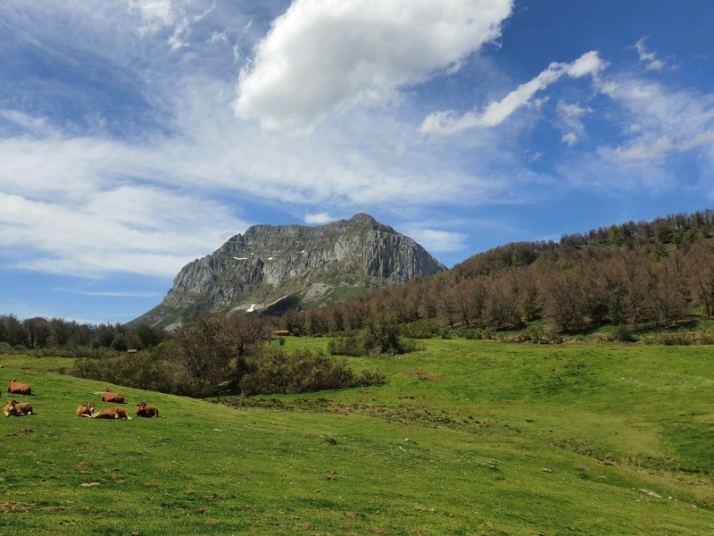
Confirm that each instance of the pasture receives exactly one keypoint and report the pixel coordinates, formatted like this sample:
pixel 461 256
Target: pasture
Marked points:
pixel 468 437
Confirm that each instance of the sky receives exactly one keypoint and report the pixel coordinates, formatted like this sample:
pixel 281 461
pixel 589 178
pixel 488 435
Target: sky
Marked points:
pixel 139 135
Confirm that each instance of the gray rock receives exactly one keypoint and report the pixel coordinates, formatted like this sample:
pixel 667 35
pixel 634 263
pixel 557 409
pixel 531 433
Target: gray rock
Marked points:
pixel 270 263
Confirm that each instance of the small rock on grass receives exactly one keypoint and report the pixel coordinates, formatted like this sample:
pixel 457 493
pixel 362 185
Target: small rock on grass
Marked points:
pixel 651 493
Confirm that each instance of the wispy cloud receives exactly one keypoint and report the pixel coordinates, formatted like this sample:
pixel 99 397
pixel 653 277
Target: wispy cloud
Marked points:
pixel 570 118
pixel 657 123
pixel 155 14
pixel 218 37
pixel 648 58
pixel 497 112
pixel 111 294
pixel 437 241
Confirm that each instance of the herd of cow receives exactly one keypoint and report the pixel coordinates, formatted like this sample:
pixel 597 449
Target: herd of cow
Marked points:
pixel 20 409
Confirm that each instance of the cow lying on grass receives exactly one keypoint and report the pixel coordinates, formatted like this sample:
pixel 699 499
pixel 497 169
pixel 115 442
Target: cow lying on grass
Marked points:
pixel 108 396
pixel 146 411
pixel 17 409
pixel 18 388
pixel 112 413
pixel 85 410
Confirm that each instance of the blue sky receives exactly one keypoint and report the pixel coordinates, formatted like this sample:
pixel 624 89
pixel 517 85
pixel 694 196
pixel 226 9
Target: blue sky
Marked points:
pixel 137 135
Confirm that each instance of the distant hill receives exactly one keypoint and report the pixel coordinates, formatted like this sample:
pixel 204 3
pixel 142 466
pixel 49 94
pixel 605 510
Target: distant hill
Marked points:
pixel 275 268
pixel 630 277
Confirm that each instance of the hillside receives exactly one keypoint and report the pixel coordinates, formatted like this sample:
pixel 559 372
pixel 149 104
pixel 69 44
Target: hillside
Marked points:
pixel 274 268
pixel 466 437
pixel 631 276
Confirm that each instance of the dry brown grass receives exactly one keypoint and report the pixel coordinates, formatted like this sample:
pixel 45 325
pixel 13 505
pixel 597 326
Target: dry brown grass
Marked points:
pixel 422 374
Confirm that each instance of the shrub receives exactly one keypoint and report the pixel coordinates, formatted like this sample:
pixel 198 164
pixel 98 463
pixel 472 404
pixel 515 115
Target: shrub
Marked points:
pixel 271 370
pixel 676 339
pixel 351 345
pixel 622 333
pixel 381 334
pixel 421 329
pixel 143 370
pixel 357 345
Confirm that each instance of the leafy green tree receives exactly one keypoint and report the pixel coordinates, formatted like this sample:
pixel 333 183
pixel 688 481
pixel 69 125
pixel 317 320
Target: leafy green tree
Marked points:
pixel 381 333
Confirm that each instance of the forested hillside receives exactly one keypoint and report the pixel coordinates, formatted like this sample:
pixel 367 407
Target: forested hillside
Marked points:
pixel 77 339
pixel 660 271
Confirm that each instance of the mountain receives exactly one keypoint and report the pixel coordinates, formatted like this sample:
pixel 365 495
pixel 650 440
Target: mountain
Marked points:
pixel 274 268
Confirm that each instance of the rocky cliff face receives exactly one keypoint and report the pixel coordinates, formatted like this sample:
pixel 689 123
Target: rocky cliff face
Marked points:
pixel 306 264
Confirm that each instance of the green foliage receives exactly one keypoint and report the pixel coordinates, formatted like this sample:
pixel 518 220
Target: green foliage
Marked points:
pixel 143 370
pixel 40 333
pixel 659 252
pixel 271 370
pixel 681 338
pixel 421 329
pixel 622 333
pixel 352 345
pixel 380 336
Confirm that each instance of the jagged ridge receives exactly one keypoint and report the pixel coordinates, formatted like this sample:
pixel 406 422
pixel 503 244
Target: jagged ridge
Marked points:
pixel 302 264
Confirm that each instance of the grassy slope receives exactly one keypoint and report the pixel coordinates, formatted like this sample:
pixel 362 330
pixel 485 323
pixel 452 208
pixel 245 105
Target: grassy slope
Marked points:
pixel 645 410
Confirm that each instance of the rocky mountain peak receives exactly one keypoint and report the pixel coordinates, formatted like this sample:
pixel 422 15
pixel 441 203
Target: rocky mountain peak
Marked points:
pixel 270 267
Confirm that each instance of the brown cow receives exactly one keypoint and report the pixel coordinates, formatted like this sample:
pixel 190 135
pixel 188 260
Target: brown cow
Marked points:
pixel 146 411
pixel 108 396
pixel 17 409
pixel 85 410
pixel 112 413
pixel 18 388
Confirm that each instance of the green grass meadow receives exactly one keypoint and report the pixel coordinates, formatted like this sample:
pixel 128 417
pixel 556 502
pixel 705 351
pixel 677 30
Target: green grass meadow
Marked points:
pixel 467 437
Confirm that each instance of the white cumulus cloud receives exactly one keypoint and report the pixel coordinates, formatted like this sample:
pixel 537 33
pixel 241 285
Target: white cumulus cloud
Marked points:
pixel 497 112
pixel 321 218
pixel 324 56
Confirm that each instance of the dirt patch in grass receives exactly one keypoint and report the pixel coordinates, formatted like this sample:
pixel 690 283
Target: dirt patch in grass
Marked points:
pixel 422 374
pixel 11 506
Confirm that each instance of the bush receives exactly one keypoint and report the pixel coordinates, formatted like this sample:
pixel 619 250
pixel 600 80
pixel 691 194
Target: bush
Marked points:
pixel 271 371
pixel 143 370
pixel 421 329
pixel 351 345
pixel 676 338
pixel 622 333
pixel 356 345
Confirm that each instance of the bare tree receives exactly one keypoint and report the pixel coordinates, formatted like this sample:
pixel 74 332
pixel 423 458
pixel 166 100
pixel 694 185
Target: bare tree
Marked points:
pixel 502 310
pixel 564 303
